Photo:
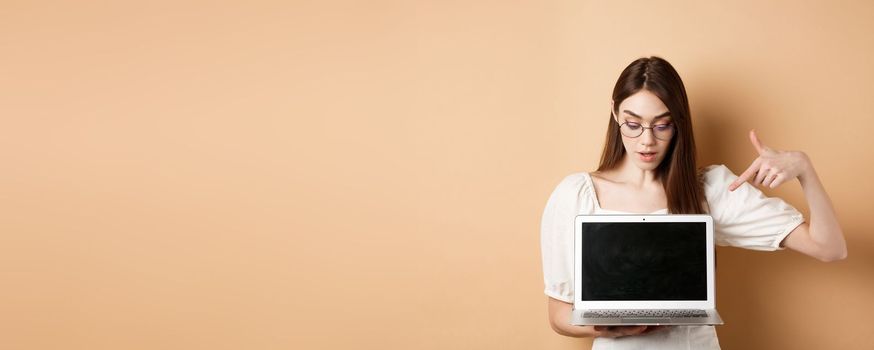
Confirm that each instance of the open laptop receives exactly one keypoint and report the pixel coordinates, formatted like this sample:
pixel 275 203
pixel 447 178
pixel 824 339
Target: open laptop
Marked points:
pixel 644 270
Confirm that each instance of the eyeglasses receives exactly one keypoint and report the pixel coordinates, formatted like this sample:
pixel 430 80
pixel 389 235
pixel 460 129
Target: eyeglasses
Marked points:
pixel 662 132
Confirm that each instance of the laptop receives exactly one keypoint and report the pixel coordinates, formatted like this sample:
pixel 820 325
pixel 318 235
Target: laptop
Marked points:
pixel 644 270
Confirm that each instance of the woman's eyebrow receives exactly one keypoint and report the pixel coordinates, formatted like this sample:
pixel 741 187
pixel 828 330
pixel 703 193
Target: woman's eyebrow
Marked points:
pixel 665 114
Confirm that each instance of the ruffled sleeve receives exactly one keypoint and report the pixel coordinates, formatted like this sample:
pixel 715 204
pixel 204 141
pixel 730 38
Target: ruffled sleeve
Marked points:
pixel 746 218
pixel 572 197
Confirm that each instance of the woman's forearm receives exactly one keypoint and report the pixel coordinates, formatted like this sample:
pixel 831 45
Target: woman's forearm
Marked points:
pixel 559 320
pixel 825 230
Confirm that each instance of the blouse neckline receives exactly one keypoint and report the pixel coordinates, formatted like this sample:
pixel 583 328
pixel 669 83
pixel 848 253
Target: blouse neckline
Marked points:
pixel 597 203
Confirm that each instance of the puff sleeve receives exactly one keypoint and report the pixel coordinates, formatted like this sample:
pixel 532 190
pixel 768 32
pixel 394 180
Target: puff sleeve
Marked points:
pixel 570 198
pixel 746 218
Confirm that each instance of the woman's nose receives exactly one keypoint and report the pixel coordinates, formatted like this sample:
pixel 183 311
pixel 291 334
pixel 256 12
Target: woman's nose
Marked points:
pixel 648 137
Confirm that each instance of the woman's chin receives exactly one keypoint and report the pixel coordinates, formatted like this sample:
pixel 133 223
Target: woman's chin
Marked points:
pixel 646 165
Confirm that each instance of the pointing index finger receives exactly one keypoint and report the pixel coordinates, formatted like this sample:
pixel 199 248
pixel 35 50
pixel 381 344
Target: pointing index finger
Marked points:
pixel 745 176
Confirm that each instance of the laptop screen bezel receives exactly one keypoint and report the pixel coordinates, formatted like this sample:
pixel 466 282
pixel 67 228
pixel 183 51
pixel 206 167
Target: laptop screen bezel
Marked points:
pixel 710 303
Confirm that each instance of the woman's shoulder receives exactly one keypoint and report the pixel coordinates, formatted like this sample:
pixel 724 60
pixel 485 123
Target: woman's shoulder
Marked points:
pixel 575 181
pixel 716 175
pixel 716 179
pixel 574 194
pixel 576 185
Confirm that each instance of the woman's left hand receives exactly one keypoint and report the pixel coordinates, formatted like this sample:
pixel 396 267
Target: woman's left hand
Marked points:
pixel 773 167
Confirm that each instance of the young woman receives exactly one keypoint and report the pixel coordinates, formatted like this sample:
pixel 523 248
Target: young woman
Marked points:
pixel 648 166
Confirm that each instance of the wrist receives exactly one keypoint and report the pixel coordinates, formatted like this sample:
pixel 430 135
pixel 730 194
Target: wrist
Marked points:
pixel 807 172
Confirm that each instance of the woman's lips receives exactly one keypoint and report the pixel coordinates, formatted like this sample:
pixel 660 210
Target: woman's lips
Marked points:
pixel 647 156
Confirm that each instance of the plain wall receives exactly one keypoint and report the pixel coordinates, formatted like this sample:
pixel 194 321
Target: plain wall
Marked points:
pixel 371 174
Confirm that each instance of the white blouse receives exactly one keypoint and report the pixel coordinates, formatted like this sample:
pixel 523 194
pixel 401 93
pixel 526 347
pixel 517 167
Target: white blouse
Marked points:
pixel 743 218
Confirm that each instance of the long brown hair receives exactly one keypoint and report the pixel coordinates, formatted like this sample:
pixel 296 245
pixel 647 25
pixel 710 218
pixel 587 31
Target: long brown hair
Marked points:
pixel 678 172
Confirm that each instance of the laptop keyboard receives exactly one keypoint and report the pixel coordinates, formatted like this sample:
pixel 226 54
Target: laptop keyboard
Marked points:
pixel 644 313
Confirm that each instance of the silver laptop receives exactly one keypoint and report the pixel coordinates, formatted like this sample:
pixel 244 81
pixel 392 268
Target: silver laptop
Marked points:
pixel 644 270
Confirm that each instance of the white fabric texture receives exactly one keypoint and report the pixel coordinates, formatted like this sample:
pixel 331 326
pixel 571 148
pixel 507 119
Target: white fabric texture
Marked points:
pixel 743 218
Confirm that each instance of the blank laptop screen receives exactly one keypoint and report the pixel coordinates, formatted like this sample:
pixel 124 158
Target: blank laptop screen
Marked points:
pixel 644 261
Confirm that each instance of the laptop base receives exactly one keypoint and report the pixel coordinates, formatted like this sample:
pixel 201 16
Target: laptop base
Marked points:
pixel 712 318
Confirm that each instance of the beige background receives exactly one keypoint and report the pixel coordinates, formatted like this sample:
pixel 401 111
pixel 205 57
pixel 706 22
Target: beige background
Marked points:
pixel 371 174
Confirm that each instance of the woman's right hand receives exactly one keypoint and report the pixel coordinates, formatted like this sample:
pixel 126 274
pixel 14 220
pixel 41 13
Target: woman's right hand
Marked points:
pixel 622 331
